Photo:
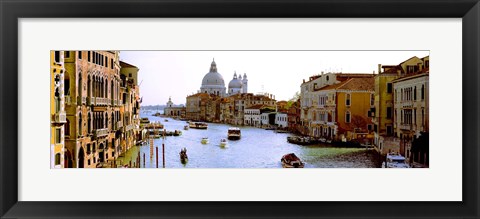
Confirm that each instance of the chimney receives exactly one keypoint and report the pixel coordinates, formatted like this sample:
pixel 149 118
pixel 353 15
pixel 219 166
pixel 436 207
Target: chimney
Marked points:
pixel 379 68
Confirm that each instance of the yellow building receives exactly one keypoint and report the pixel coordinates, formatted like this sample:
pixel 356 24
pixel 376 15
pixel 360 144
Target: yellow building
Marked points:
pixel 57 110
pixel 354 99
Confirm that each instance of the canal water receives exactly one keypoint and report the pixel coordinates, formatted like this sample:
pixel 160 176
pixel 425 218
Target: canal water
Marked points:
pixel 257 148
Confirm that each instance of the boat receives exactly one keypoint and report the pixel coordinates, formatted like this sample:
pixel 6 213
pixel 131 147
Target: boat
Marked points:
pixel 223 143
pixel 291 161
pixel 323 140
pixel 183 156
pixel 144 121
pixel 166 120
pixel 234 133
pixel 185 127
pixel 157 114
pixel 205 140
pixel 198 125
pixel 300 140
pixel 395 160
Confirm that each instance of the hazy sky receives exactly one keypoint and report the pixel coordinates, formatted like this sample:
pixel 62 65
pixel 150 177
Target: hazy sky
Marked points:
pixel 179 73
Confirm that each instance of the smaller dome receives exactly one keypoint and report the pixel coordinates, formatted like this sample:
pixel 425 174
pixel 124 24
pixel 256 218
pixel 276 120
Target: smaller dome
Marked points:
pixel 235 83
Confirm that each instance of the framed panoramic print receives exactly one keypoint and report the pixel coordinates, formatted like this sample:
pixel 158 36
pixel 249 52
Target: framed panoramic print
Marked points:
pixel 257 109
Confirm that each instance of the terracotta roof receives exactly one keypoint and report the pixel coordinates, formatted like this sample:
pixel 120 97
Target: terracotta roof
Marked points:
pixel 353 84
pixel 332 87
pixel 359 84
pixel 126 65
pixel 199 95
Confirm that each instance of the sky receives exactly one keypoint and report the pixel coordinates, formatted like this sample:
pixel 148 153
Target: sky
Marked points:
pixel 177 74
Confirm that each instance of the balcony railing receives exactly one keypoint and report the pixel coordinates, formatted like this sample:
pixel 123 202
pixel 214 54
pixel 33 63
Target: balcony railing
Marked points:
pixel 129 127
pixel 101 132
pixel 405 126
pixel 119 124
pixel 90 101
pixel 60 117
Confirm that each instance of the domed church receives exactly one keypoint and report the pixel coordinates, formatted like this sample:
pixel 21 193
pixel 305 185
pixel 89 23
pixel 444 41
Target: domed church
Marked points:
pixel 213 82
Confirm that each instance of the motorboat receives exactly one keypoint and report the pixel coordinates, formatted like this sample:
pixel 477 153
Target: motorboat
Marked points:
pixel 395 160
pixel 185 127
pixel 234 133
pixel 198 125
pixel 291 161
pixel 204 140
pixel 223 143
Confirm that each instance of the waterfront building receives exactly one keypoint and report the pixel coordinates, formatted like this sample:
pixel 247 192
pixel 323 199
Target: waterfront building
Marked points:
pixel 57 111
pixel 130 106
pixel 92 97
pixel 196 106
pixel 174 110
pixel 213 82
pixel 383 112
pixel 322 112
pixel 281 120
pixel 411 110
pixel 293 115
pixel 252 115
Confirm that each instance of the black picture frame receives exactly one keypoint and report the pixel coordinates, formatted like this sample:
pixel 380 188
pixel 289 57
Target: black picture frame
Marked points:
pixel 12 10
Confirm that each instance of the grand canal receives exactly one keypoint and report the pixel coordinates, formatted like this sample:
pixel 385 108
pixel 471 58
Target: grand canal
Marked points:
pixel 257 148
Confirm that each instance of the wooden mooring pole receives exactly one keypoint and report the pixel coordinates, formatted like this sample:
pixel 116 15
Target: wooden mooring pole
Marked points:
pixel 163 154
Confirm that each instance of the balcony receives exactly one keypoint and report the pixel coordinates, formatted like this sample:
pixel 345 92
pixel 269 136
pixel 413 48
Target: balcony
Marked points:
pixel 119 124
pixel 60 117
pixel 90 101
pixel 129 127
pixel 101 132
pixel 405 126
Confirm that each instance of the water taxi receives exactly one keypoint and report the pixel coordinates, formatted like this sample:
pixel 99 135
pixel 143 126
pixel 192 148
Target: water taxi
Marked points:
pixel 291 161
pixel 198 125
pixel 395 160
pixel 223 143
pixel 234 133
pixel 204 140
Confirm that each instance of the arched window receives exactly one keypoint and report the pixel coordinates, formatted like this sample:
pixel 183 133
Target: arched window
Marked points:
pixel 57 159
pixel 347 99
pixel 80 124
pixel 89 125
pixel 79 86
pixel 415 93
pixel 423 92
pixel 57 100
pixel 67 128
pixel 347 117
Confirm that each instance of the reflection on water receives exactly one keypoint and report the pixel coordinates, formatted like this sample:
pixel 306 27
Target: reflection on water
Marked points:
pixel 257 148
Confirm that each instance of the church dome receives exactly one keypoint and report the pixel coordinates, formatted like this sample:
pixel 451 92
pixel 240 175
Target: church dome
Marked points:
pixel 213 78
pixel 235 82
